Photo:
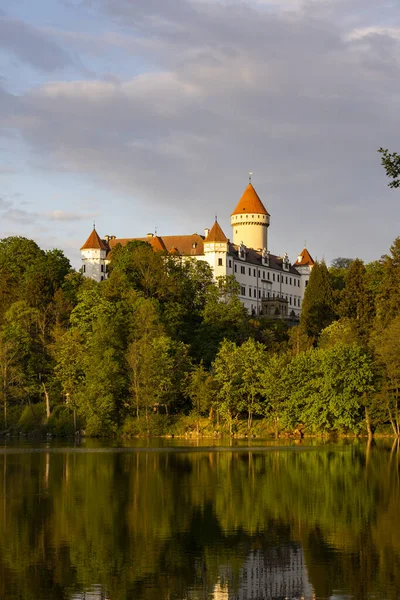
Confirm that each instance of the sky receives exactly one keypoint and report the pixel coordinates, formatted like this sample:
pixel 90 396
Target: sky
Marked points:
pixel 147 115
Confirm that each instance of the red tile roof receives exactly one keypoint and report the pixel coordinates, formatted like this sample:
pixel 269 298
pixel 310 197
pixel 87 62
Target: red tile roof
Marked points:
pixel 250 203
pixel 304 259
pixel 94 242
pixel 216 234
pixel 189 245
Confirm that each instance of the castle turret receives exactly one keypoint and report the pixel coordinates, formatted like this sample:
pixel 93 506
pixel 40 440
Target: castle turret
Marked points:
pixel 250 221
pixel 304 265
pixel 93 254
pixel 216 250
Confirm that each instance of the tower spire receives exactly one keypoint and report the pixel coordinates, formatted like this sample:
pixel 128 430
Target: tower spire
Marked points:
pixel 250 174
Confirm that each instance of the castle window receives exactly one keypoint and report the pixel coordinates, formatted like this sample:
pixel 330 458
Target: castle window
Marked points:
pixel 259 293
pixel 250 292
pixel 102 268
pixel 277 277
pixel 254 273
pixel 102 278
pixel 84 269
pixel 242 270
pixel 230 263
pixel 286 281
pixel 290 300
pixel 306 283
pixel 249 271
pixel 242 290
pixel 273 276
pixel 255 293
pixel 298 282
pixel 290 279
pixel 235 268
pixel 269 275
pixel 259 273
pixel 220 262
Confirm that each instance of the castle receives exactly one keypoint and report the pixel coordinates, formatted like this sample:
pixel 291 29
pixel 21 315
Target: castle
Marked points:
pixel 269 284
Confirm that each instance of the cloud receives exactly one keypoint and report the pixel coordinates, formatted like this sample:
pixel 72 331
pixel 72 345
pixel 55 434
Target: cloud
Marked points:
pixel 299 97
pixel 62 215
pixel 31 45
pixel 10 213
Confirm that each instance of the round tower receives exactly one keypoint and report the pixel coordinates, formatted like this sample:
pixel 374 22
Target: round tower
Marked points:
pixel 93 253
pixel 250 221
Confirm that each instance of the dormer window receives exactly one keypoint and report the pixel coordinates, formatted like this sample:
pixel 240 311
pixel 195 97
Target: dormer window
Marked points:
pixel 265 257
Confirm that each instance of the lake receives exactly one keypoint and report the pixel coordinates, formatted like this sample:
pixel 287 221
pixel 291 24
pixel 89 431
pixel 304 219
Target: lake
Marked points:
pixel 159 519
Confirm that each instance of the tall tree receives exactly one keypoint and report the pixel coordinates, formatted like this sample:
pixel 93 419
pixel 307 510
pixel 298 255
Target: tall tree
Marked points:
pixel 388 297
pixel 318 305
pixel 356 299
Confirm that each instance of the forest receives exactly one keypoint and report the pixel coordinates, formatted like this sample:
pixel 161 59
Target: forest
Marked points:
pixel 160 349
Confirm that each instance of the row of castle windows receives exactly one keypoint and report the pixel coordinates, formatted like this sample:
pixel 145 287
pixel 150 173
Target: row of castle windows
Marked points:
pixel 279 278
pixel 103 269
pixel 252 216
pixel 253 293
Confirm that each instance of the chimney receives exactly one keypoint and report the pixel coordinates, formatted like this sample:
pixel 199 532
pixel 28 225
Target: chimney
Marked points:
pixel 206 232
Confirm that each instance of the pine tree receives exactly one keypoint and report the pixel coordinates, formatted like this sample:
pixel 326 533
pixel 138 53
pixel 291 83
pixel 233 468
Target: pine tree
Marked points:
pixel 357 300
pixel 388 300
pixel 318 305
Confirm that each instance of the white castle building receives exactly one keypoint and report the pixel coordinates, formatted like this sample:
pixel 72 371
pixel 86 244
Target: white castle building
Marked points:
pixel 269 284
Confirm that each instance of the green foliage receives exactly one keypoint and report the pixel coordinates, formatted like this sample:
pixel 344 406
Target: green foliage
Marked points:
pixel 388 297
pixel 356 299
pixel 159 336
pixel 32 419
pixel 318 305
pixel 391 162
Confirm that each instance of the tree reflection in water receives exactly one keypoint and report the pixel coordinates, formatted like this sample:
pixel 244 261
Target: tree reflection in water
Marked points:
pixel 293 523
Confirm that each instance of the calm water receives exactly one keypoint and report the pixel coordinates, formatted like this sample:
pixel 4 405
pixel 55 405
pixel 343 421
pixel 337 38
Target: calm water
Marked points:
pixel 196 523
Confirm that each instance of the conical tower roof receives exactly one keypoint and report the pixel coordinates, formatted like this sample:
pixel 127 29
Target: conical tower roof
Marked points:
pixel 250 203
pixel 216 234
pixel 94 242
pixel 304 258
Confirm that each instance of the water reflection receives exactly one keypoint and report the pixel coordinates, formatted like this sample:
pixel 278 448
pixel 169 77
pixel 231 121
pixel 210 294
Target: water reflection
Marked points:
pixel 316 523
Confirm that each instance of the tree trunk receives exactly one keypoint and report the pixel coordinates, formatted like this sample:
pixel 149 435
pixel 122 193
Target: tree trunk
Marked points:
pixel 46 395
pixel 249 420
pixel 368 423
pixel 5 394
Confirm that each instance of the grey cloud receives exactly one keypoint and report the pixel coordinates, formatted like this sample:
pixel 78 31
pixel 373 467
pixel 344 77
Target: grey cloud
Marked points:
pixel 31 45
pixel 288 96
pixel 10 213
pixel 62 215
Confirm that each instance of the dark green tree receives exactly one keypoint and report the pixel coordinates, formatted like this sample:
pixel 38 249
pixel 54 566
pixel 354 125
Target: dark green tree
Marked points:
pixel 318 305
pixel 356 298
pixel 388 297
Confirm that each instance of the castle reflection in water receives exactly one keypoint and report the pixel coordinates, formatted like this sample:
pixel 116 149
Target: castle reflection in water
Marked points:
pixel 271 574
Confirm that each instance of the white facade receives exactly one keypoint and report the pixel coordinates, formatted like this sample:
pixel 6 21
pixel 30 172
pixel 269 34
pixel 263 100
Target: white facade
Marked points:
pixel 250 229
pixel 94 263
pixel 268 284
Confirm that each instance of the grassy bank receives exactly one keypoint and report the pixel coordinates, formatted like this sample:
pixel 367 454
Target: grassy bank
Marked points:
pixel 31 421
